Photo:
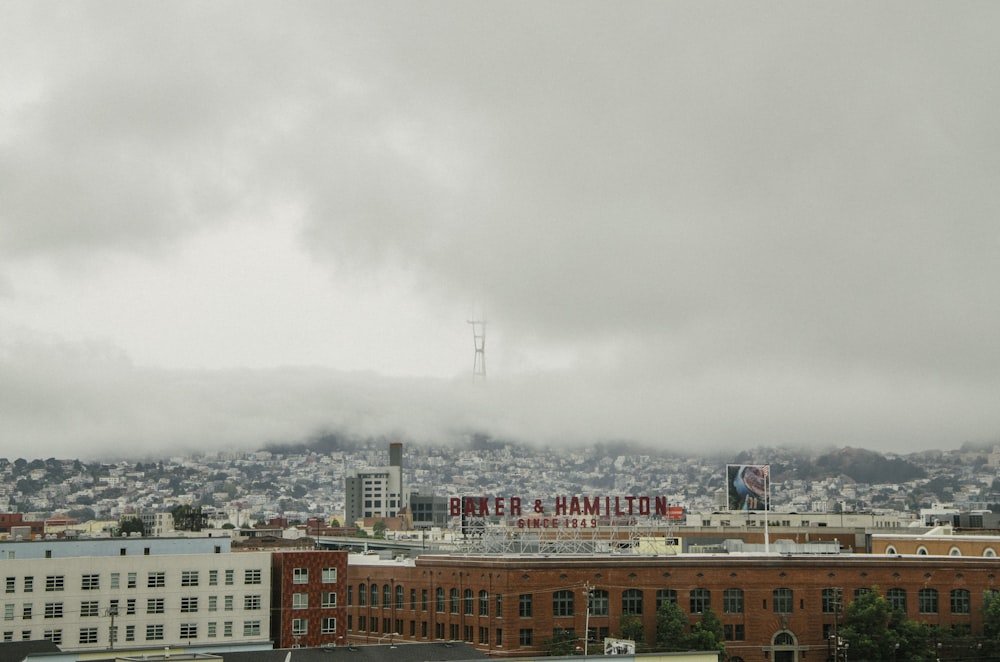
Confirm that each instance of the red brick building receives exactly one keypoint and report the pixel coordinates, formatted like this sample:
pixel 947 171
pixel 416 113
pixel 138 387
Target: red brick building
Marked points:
pixel 775 608
pixel 308 598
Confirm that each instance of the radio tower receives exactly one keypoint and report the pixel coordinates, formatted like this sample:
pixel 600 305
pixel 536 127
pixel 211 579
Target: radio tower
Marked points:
pixel 479 338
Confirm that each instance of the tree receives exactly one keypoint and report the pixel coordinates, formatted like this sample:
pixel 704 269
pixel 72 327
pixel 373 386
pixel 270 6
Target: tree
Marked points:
pixel 128 525
pixel 378 529
pixel 875 631
pixel 630 626
pixel 671 627
pixel 335 523
pixel 563 642
pixel 706 634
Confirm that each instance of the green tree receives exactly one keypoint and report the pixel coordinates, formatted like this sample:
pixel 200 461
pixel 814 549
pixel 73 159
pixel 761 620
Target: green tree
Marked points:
pixel 671 627
pixel 563 642
pixel 378 529
pixel 630 627
pixel 335 523
pixel 706 634
pixel 875 631
pixel 128 525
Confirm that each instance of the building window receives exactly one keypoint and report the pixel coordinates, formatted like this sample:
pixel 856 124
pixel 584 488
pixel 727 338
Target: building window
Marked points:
pixel 212 627
pixel 154 632
pixel 213 577
pixel 252 602
pixel 734 632
pixel 132 580
pixel 831 600
pixel 413 599
pixel 26 613
pixel 53 610
pixel 229 581
pixel 300 627
pixel 782 600
pixel 329 600
pixel 228 603
pixel 189 605
pixel 251 628
pixel 439 600
pixel 960 603
pixel 213 603
pixel 732 601
pixel 11 584
pixel 29 584
pixel 154 605
pixel 54 582
pixel 484 603
pixel 129 633
pixel 927 601
pixel 329 575
pixel 189 631
pixel 328 625
pixel 116 578
pixel 663 595
pixel 362 595
pixel 499 638
pixel 300 601
pixel 525 637
pixel 562 603
pixel 524 606
pixel 227 629
pixel 453 601
pixel 858 592
pixel 55 636
pixel 89 608
pixel 189 578
pixel 90 582
pixel 399 597
pixel 897 599
pixel 301 576
pixel 156 580
pixel 386 596
pixel 467 602
pixel 701 600
pixel 88 635
pixel 8 611
pixel 373 595
pixel 632 602
pixel 252 576
pixel 499 612
pixel 130 606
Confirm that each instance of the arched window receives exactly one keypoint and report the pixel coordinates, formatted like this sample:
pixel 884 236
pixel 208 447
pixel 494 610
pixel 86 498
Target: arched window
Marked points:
pixel 954 551
pixel 598 602
pixel 484 603
pixel 632 601
pixel 784 639
pixel 439 600
pixel 989 553
pixel 362 594
pixel 782 600
pixel 399 597
pixel 387 596
pixel 374 595
pixel 468 602
pixel 562 603
pixel 922 551
pixel 927 601
pixel 732 601
pixel 453 601
pixel 897 598
pixel 665 595
pixel 890 550
pixel 960 602
pixel 832 600
pixel 701 600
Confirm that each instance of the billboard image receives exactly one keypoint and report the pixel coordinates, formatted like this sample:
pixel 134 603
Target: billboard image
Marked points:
pixel 619 646
pixel 747 486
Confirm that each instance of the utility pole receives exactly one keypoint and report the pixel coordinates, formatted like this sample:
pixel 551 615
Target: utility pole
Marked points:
pixel 587 588
pixel 112 633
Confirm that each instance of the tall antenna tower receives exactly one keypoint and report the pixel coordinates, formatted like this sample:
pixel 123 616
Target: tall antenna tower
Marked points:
pixel 479 339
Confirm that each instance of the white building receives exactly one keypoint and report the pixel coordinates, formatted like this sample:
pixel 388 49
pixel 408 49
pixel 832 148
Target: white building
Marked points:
pixel 134 594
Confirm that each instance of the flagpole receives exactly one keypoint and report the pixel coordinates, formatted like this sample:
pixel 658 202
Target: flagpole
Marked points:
pixel 767 507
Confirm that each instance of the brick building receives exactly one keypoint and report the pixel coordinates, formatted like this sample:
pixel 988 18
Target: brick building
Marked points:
pixel 308 605
pixel 773 607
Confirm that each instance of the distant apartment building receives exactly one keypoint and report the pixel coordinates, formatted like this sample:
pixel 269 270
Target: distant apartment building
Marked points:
pixel 376 493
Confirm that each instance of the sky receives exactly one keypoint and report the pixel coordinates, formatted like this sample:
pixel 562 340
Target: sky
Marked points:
pixel 698 226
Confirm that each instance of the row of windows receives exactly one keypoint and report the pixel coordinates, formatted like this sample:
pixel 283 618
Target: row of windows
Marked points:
pixel 188 604
pixel 154 579
pixel 301 575
pixel 439 629
pixel 632 600
pixel 301 600
pixel 153 631
pixel 300 626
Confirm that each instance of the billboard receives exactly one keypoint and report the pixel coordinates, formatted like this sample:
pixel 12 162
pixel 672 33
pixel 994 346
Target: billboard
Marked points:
pixel 748 486
pixel 619 647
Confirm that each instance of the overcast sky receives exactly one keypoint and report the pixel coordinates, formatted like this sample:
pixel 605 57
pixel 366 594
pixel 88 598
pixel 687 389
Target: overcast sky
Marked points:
pixel 696 225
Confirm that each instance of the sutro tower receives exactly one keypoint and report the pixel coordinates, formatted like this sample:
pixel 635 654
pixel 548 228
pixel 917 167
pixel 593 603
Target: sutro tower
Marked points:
pixel 479 338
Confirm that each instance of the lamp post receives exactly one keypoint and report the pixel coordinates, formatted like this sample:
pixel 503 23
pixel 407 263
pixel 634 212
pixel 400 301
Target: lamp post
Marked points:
pixel 586 623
